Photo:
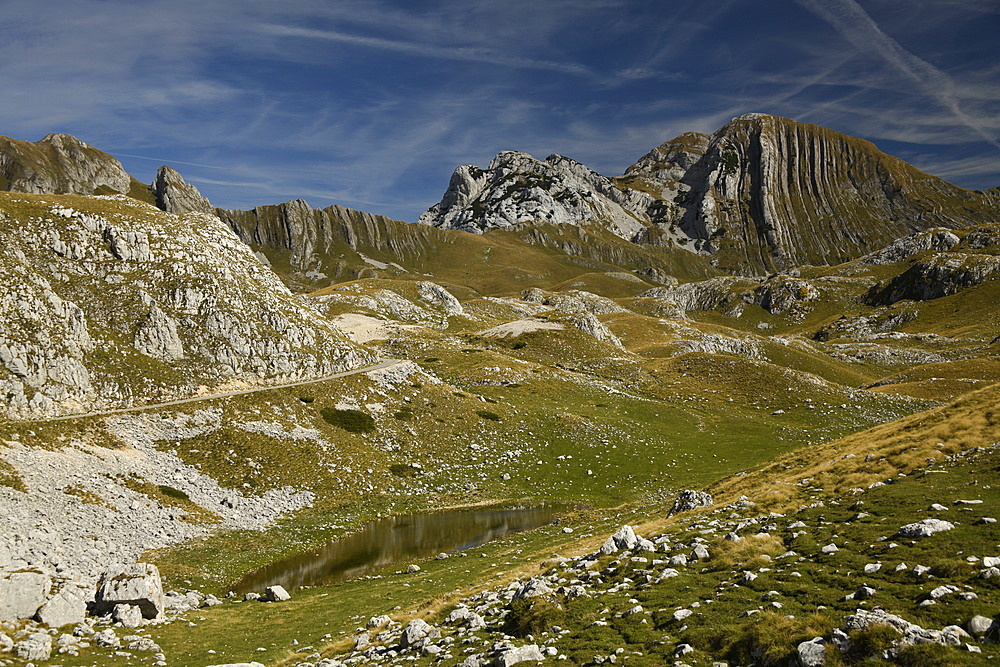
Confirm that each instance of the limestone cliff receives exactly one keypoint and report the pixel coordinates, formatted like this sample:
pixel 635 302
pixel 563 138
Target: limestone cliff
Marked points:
pixel 765 193
pixel 175 195
pixel 317 244
pixel 109 302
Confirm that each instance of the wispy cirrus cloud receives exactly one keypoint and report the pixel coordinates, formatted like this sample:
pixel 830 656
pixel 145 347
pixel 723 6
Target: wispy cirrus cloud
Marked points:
pixel 372 103
pixel 858 28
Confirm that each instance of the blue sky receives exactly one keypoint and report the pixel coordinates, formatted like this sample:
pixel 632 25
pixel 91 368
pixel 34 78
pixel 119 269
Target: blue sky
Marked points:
pixel 372 104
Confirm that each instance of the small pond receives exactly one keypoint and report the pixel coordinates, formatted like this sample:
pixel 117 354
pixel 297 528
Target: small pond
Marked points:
pixel 397 540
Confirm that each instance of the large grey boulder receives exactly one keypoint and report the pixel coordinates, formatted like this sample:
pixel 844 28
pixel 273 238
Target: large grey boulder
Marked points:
pixel 624 538
pixel 128 615
pixel 417 633
pixel 515 654
pixel 532 588
pixel 467 617
pixel 980 626
pixel 811 653
pixel 37 646
pixel 690 499
pixel 67 606
pixel 276 594
pixel 137 584
pixel 925 528
pixel 22 593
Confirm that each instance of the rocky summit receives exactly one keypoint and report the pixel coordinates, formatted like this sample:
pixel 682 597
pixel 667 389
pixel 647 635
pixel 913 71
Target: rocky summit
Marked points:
pixel 762 193
pixel 737 406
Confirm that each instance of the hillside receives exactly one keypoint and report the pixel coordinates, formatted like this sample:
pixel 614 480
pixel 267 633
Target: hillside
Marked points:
pixel 109 302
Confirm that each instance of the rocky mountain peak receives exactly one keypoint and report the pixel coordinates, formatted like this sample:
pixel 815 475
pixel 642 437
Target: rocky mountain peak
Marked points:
pixel 175 195
pixel 760 194
pixel 60 164
pixel 518 188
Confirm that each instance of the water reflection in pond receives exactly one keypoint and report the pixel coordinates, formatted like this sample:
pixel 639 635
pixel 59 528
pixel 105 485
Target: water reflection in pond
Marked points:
pixel 397 540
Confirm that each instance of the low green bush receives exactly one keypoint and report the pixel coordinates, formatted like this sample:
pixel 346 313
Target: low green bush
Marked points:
pixel 532 617
pixel 172 492
pixel 353 421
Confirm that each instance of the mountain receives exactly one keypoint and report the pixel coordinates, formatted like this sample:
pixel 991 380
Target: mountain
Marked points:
pixel 109 302
pixel 62 164
pixel 762 193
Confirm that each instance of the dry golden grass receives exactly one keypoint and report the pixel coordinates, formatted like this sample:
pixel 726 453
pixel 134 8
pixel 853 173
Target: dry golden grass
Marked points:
pixel 899 446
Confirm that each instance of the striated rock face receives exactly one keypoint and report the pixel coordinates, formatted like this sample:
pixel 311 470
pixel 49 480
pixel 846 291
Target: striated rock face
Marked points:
pixel 109 302
pixel 517 188
pixel 175 195
pixel 766 193
pixel 58 164
pixel 312 241
pixel 761 194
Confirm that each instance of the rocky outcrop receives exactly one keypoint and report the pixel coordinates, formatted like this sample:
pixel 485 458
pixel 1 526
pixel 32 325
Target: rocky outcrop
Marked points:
pixel 518 188
pixel 93 295
pixel 939 275
pixel 60 164
pixel 572 301
pixel 914 244
pixel 175 195
pixel 690 499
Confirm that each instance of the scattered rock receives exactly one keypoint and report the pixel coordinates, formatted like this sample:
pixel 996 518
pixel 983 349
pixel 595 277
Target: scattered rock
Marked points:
pixel 514 654
pixel 624 538
pixel 275 594
pixel 417 633
pixel 21 594
pixel 925 528
pixel 811 653
pixel 690 499
pixel 137 584
pixel 37 646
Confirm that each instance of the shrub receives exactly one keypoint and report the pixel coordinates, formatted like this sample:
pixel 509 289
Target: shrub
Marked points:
pixel 353 421
pixel 873 640
pixel 404 415
pixel 306 399
pixel 519 345
pixel 771 639
pixel 486 414
pixel 402 470
pixel 532 617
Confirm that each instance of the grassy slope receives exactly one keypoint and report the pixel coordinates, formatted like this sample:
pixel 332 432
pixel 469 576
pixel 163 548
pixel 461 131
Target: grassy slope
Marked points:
pixel 720 628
